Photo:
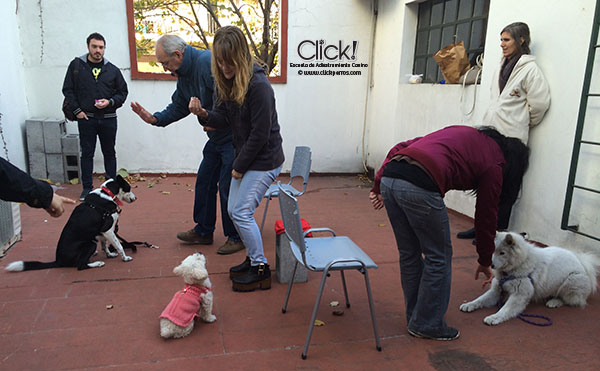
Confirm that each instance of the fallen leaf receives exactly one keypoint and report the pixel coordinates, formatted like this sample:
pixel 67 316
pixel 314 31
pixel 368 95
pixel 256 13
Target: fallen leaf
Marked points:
pixel 165 192
pixel 338 312
pixel 334 303
pixel 150 185
pixel 74 181
pixel 319 322
pixel 163 176
pixel 382 225
pixel 122 172
pixel 110 306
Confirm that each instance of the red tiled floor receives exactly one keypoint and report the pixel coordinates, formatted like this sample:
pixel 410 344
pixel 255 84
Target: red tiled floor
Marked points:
pixel 58 318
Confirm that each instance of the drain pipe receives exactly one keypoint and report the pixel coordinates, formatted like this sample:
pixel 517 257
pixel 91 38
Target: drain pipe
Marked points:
pixel 370 82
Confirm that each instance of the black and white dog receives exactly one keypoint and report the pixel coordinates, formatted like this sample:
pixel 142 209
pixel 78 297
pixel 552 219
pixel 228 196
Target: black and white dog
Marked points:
pixel 92 221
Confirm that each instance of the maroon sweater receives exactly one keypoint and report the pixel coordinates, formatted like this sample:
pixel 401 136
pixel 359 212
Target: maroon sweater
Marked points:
pixel 461 158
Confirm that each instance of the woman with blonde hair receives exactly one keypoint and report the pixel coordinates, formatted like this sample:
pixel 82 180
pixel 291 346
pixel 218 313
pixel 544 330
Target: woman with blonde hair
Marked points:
pixel 245 101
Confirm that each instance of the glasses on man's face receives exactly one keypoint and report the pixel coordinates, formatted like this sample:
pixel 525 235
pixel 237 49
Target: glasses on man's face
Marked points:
pixel 164 64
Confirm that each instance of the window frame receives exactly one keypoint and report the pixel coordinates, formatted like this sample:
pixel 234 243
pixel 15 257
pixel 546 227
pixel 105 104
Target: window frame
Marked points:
pixel 428 56
pixel 138 75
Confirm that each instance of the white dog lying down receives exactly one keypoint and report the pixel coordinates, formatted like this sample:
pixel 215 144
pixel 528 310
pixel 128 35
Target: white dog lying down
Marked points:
pixel 195 300
pixel 527 272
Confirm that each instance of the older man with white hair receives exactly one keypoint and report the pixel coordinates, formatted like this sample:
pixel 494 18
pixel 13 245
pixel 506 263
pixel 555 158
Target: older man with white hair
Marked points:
pixel 192 69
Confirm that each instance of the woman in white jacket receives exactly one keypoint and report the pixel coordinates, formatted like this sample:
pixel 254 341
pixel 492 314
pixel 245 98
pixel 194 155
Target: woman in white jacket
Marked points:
pixel 519 100
pixel 521 97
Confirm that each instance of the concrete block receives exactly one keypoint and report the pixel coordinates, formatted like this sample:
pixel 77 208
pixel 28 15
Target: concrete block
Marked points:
pixel 35 136
pixel 285 261
pixel 70 143
pixel 55 167
pixel 72 166
pixel 37 165
pixel 53 132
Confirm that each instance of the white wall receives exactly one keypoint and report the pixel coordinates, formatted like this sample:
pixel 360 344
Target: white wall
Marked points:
pixel 324 112
pixel 400 111
pixel 13 101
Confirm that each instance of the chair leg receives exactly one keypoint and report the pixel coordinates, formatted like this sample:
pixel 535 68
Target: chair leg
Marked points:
pixel 289 289
pixel 372 308
pixel 265 215
pixel 311 325
pixel 345 288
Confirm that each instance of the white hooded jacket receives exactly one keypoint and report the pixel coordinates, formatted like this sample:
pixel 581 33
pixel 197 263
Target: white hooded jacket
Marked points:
pixel 523 102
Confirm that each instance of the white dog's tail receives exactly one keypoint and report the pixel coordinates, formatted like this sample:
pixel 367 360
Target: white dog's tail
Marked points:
pixel 591 264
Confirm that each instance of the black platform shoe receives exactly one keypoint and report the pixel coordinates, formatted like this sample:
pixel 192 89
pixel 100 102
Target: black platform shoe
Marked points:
pixel 240 269
pixel 257 277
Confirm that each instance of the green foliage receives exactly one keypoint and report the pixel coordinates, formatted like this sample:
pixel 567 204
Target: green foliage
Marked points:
pixel 203 17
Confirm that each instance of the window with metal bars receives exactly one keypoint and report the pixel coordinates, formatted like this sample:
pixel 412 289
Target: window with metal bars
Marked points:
pixel 443 22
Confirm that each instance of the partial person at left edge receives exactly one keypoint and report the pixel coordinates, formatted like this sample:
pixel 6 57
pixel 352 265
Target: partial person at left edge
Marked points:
pixel 18 186
pixel 94 88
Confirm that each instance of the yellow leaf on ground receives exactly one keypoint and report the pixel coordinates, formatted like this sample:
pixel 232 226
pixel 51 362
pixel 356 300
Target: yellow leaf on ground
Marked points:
pixel 165 192
pixel 74 181
pixel 334 303
pixel 318 322
pixel 382 225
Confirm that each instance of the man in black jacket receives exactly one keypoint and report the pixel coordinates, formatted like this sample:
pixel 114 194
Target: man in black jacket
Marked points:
pixel 94 88
pixel 17 186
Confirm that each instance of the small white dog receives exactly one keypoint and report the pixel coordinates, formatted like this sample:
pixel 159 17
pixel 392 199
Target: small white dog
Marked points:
pixel 196 299
pixel 527 272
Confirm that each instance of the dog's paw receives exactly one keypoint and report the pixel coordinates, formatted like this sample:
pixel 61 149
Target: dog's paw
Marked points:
pixel 127 258
pixel 468 307
pixel 110 254
pixel 96 264
pixel 492 320
pixel 210 319
pixel 554 303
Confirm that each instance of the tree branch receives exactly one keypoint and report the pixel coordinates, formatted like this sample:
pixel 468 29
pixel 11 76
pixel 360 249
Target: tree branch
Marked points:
pixel 239 14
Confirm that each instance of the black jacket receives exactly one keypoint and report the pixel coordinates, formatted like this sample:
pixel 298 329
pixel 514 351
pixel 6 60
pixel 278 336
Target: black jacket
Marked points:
pixel 81 89
pixel 255 128
pixel 17 186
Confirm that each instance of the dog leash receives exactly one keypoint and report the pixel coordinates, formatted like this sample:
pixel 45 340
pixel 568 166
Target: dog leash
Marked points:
pixel 523 316
pixel 132 244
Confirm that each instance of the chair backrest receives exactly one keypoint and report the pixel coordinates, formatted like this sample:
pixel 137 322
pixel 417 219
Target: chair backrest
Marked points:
pixel 291 220
pixel 301 164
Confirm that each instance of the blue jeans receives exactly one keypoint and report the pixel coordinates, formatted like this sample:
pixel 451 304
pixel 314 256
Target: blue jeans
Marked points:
pixel 214 174
pixel 106 130
pixel 422 230
pixel 244 197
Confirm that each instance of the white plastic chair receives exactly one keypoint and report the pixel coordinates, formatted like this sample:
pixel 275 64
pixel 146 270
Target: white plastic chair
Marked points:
pixel 300 168
pixel 323 254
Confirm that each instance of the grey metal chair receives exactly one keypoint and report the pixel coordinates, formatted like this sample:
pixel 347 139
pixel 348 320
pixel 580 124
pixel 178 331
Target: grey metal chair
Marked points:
pixel 323 254
pixel 300 168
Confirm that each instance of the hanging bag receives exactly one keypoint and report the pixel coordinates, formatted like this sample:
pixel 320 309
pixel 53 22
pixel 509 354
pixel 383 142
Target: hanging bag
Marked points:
pixel 471 77
pixel 453 62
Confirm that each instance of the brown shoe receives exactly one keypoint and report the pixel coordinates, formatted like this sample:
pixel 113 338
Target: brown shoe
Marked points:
pixel 229 247
pixel 192 237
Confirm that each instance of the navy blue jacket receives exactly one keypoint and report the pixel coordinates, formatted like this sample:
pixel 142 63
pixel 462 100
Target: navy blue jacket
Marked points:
pixel 81 89
pixel 18 186
pixel 194 79
pixel 256 136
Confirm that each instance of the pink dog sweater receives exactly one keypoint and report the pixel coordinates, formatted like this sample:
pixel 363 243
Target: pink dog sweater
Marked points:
pixel 184 306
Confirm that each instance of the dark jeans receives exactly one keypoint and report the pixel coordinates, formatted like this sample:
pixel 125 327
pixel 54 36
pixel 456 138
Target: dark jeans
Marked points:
pixel 214 174
pixel 106 131
pixel 422 230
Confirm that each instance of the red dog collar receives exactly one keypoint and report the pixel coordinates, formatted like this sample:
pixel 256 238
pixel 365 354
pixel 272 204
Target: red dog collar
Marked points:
pixel 112 195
